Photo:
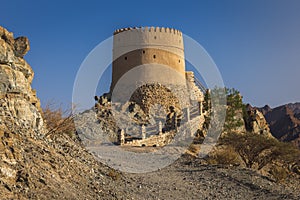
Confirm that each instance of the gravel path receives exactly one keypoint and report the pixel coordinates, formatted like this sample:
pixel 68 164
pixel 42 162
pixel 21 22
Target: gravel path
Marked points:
pixel 189 179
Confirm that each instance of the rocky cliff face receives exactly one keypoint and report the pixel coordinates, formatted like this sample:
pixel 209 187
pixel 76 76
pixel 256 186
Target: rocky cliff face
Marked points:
pixel 33 166
pixel 284 122
pixel 246 119
pixel 255 122
pixel 19 107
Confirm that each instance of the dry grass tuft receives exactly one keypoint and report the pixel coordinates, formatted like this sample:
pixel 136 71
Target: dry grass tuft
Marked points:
pixel 224 156
pixel 58 120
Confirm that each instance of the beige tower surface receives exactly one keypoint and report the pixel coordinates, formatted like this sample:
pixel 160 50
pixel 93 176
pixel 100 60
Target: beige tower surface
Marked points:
pixel 133 47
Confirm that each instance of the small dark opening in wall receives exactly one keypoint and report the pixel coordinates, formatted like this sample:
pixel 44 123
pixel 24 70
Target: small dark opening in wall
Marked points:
pixel 143 145
pixel 179 61
pixel 154 56
pixel 154 145
pixel 143 51
pixel 155 37
pixel 126 58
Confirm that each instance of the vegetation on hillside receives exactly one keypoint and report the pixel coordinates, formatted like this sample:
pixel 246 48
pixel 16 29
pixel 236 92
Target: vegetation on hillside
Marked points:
pixel 256 151
pixel 58 120
pixel 240 147
pixel 235 107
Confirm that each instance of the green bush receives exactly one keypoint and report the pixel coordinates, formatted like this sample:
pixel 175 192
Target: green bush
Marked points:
pixel 234 107
pixel 259 150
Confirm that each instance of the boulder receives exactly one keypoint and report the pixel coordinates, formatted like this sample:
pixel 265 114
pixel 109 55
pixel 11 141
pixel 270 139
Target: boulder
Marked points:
pixel 21 46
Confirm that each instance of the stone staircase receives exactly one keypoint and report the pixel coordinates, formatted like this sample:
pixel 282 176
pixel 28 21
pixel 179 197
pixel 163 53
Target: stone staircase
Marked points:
pixel 200 85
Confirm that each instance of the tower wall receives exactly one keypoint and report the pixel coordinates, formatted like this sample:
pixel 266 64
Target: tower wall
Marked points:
pixel 137 46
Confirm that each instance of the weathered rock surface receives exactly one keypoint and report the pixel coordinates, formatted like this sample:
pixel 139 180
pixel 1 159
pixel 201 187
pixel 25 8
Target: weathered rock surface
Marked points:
pixel 19 107
pixel 34 165
pixel 284 122
pixel 21 46
pixel 53 168
pixel 256 122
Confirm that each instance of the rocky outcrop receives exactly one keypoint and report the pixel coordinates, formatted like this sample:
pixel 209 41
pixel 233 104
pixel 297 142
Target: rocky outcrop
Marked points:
pixel 255 122
pixel 245 118
pixel 264 110
pixel 284 122
pixel 150 94
pixel 19 107
pixel 33 166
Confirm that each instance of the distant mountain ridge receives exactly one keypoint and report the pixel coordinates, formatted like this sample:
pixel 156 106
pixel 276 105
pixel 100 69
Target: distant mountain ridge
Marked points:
pixel 284 122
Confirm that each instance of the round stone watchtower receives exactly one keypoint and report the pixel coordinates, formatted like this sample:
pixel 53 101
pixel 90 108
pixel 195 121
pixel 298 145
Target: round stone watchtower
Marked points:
pixel 134 47
pixel 150 89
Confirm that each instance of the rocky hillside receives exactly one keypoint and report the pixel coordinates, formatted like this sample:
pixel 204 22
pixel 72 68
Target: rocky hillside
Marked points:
pixel 33 166
pixel 284 122
pixel 241 118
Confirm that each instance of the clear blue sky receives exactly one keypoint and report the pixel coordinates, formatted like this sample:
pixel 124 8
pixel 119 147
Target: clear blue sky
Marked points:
pixel 255 43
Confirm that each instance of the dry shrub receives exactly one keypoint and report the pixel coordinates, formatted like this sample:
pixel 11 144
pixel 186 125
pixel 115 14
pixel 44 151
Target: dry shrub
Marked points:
pixel 225 156
pixel 58 120
pixel 193 149
pixel 279 173
pixel 115 175
pixel 257 151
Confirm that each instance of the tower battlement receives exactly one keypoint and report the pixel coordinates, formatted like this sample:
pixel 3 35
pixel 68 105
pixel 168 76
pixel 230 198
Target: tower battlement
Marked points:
pixel 149 29
pixel 130 39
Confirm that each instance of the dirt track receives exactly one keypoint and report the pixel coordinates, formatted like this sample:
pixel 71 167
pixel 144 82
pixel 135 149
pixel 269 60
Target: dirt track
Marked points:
pixel 189 179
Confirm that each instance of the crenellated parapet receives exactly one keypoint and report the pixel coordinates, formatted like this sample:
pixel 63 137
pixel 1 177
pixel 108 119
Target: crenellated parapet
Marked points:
pixel 130 39
pixel 149 29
